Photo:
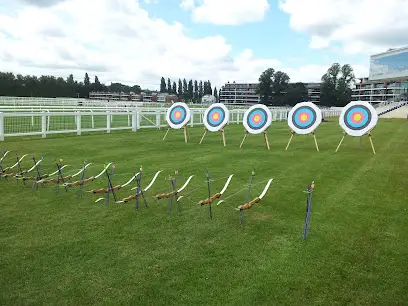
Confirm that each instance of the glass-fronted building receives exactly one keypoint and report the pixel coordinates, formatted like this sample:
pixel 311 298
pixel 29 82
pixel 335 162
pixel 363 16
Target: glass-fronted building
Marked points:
pixel 388 78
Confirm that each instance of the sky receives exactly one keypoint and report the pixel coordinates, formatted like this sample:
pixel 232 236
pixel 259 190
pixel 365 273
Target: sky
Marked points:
pixel 139 41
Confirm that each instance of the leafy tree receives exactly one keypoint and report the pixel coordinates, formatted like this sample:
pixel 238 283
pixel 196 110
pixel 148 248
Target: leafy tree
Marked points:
pixel 86 79
pixel 296 92
pixel 280 84
pixel 207 88
pixel 163 85
pixel 190 90
pixel 215 94
pixel 335 89
pixel 169 89
pixel 180 89
pixel 200 91
pixel 264 88
pixel 185 90
pixel 174 89
pixel 196 93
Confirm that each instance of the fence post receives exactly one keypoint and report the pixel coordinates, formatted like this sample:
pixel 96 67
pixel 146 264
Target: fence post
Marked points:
pixel 78 122
pixel 192 119
pixel 1 127
pixel 138 119
pixel 44 124
pixel 108 121
pixel 158 123
pixel 134 121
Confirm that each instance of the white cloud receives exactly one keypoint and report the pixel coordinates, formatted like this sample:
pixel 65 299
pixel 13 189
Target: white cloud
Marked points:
pixel 226 12
pixel 119 42
pixel 361 26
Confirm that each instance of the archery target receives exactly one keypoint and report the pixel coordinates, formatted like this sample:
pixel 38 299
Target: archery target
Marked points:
pixel 304 118
pixel 178 115
pixel 257 119
pixel 358 117
pixel 216 117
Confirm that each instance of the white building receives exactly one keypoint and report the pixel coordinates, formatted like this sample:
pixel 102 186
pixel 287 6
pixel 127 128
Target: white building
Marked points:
pixel 388 77
pixel 239 93
pixel 208 99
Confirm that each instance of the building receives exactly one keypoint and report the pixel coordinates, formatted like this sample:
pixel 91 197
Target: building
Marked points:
pixel 239 93
pixel 313 92
pixel 388 78
pixel 208 99
pixel 166 98
pixel 245 93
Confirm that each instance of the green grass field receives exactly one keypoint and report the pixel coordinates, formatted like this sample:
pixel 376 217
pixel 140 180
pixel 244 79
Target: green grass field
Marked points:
pixel 69 251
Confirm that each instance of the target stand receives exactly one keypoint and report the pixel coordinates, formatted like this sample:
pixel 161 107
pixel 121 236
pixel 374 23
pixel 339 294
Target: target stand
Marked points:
pixel 369 137
pixel 257 120
pixel 186 135
pixel 177 117
pixel 293 134
pixel 215 118
pixel 303 119
pixel 358 118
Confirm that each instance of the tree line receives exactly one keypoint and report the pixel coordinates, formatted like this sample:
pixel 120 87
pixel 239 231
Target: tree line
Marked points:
pixel 274 87
pixel 49 86
pixel 191 91
pixel 335 87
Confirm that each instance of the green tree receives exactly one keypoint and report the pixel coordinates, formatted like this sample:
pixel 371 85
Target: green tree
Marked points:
pixel 280 84
pixel 200 91
pixel 185 90
pixel 174 89
pixel 196 93
pixel 87 82
pixel 215 94
pixel 207 88
pixel 335 89
pixel 190 90
pixel 169 86
pixel 296 92
pixel 264 88
pixel 163 85
pixel 180 89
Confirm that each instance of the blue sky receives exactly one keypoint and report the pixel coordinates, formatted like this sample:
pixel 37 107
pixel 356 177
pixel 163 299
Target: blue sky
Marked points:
pixel 271 37
pixel 139 41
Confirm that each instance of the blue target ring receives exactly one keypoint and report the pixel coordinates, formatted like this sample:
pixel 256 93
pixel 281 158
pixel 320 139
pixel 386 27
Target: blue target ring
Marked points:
pixel 257 119
pixel 357 118
pixel 178 115
pixel 304 117
pixel 216 116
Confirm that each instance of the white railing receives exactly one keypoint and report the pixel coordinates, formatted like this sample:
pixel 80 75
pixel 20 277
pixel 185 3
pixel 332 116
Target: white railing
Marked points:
pixel 46 122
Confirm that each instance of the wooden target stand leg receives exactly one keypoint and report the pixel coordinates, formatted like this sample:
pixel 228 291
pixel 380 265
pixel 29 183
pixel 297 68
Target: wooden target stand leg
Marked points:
pixel 369 137
pixel 186 134
pixel 222 134
pixel 314 137
pixel 165 135
pixel 265 138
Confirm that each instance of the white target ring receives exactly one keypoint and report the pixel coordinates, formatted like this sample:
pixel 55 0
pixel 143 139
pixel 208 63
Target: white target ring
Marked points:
pixel 257 119
pixel 216 117
pixel 358 118
pixel 304 118
pixel 178 115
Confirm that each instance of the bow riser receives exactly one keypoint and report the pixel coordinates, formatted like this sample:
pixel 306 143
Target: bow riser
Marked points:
pixel 55 180
pixel 210 200
pixel 249 204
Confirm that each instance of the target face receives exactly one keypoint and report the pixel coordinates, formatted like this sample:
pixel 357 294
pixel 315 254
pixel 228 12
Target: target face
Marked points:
pixel 358 117
pixel 304 118
pixel 257 119
pixel 178 115
pixel 216 117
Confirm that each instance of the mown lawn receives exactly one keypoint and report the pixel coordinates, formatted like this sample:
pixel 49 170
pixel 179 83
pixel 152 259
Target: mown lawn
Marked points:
pixel 57 249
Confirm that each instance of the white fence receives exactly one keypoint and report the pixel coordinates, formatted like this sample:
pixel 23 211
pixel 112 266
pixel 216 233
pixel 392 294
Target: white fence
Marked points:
pixel 27 123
